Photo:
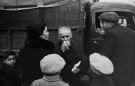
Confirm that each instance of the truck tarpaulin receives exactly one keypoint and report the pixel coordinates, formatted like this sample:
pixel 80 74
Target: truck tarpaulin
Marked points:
pixel 16 5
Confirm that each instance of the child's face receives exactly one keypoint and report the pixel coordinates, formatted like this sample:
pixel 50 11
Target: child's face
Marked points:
pixel 11 60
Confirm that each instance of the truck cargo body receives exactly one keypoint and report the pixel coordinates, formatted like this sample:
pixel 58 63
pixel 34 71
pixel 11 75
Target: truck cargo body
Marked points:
pixel 13 23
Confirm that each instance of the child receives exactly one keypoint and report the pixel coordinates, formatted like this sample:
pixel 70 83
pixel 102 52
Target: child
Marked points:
pixel 100 69
pixel 10 72
pixel 51 65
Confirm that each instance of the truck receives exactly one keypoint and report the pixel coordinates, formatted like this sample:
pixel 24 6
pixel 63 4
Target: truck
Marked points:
pixel 80 15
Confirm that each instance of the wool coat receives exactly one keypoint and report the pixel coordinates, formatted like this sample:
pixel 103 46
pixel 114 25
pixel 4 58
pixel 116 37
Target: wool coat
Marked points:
pixel 53 80
pixel 119 47
pixel 11 75
pixel 30 56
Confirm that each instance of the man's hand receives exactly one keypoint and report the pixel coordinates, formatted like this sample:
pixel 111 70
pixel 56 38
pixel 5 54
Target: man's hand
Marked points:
pixel 65 46
pixel 100 30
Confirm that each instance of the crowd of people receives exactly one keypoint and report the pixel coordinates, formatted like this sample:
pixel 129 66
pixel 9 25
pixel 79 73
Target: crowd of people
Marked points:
pixel 42 63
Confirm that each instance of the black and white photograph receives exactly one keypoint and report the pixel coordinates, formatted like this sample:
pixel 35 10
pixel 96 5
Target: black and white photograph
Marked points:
pixel 67 42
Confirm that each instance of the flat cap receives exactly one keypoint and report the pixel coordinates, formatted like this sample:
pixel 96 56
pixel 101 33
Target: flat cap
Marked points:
pixel 109 16
pixel 100 64
pixel 52 63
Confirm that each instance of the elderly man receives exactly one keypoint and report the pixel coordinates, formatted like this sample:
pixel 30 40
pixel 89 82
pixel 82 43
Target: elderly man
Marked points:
pixel 74 57
pixel 119 46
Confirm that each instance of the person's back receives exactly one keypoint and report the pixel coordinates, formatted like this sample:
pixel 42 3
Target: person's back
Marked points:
pixel 30 64
pixel 43 82
pixel 100 70
pixel 101 81
pixel 123 54
pixel 51 66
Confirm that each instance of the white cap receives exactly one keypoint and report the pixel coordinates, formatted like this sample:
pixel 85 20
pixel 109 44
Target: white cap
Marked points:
pixel 100 64
pixel 52 64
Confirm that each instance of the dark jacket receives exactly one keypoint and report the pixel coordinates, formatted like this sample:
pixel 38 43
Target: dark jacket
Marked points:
pixel 71 56
pixel 99 80
pixel 30 56
pixel 11 76
pixel 119 46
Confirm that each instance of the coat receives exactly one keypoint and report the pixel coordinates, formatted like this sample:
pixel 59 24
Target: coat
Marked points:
pixel 54 80
pixel 119 47
pixel 101 81
pixel 72 56
pixel 30 56
pixel 11 75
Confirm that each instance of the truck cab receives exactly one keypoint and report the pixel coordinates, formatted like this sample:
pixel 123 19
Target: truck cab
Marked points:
pixel 92 37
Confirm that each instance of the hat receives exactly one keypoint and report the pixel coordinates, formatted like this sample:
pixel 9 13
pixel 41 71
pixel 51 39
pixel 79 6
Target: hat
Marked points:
pixel 52 64
pixel 100 64
pixel 109 16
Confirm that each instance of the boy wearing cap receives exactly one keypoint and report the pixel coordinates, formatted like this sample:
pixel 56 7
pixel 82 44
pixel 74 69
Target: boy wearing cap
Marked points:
pixel 100 67
pixel 119 47
pixel 51 65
